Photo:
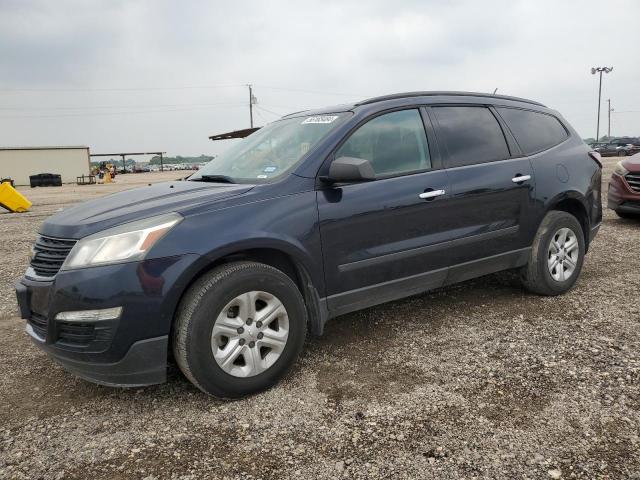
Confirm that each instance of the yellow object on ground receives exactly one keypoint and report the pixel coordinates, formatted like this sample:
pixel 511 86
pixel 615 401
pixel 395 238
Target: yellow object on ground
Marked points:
pixel 13 200
pixel 107 177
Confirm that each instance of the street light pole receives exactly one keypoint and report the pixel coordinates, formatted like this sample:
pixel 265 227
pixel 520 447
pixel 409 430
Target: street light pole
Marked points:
pixel 599 70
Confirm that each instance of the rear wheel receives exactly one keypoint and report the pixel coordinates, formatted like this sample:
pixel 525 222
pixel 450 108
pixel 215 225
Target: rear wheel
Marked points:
pixel 556 255
pixel 622 153
pixel 239 329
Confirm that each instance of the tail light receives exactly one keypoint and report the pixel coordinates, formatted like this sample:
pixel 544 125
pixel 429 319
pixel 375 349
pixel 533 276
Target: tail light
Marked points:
pixel 596 157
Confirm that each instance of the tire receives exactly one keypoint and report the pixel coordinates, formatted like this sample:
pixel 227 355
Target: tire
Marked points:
pixel 536 275
pixel 204 312
pixel 622 153
pixel 627 215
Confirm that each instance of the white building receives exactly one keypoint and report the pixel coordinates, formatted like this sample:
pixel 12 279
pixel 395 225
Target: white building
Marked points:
pixel 18 163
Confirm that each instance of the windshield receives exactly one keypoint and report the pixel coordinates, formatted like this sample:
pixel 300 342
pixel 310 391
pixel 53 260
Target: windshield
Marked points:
pixel 270 152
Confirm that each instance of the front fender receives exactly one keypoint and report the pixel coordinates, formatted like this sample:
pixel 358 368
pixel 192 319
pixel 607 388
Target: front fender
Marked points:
pixel 288 224
pixel 287 245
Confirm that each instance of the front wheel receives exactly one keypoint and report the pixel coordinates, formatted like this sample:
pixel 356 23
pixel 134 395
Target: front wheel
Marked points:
pixel 239 329
pixel 556 255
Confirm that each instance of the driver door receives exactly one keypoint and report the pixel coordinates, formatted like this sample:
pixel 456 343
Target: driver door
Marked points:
pixel 382 240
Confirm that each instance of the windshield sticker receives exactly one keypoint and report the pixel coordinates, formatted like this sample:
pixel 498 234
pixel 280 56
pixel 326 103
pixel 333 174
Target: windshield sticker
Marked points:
pixel 320 119
pixel 262 176
pixel 269 169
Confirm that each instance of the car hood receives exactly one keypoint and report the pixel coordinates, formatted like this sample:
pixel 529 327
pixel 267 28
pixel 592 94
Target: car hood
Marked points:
pixel 96 215
pixel 632 163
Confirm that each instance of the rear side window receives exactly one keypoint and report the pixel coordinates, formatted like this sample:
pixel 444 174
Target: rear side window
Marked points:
pixel 394 143
pixel 534 131
pixel 470 134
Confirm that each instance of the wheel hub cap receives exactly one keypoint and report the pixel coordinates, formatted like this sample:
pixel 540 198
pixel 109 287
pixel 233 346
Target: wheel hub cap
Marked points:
pixel 563 253
pixel 250 334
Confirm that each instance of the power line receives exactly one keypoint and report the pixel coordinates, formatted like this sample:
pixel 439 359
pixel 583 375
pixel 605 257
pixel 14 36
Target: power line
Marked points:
pixel 99 107
pixel 91 107
pixel 116 89
pixel 310 91
pixel 261 116
pixel 97 114
pixel 269 111
pixel 178 87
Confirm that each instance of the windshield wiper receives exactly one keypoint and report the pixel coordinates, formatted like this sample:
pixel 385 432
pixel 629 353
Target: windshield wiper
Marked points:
pixel 214 178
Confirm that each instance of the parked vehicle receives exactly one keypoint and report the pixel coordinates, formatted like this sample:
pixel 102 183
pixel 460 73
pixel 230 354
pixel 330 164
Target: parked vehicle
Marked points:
pixel 624 188
pixel 619 148
pixel 316 215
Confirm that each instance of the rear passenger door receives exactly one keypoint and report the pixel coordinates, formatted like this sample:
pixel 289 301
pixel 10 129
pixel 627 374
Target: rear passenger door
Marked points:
pixel 492 190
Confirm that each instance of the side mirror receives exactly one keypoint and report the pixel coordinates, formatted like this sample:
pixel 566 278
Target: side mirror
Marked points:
pixel 350 169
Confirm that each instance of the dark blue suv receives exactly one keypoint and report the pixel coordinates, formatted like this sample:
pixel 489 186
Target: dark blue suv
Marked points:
pixel 315 215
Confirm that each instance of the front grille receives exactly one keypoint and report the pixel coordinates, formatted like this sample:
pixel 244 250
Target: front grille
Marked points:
pixel 633 179
pixel 39 325
pixel 49 254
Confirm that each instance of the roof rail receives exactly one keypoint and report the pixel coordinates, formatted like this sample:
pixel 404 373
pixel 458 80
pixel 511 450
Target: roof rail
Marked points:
pixel 444 93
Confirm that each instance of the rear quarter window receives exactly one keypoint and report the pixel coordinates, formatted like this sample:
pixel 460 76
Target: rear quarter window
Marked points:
pixel 534 131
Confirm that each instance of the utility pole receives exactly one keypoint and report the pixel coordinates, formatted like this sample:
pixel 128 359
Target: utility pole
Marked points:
pixel 252 101
pixel 599 70
pixel 609 127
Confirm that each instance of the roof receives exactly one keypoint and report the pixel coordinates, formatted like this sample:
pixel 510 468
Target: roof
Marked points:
pixel 399 96
pixel 444 93
pixel 74 147
pixel 245 132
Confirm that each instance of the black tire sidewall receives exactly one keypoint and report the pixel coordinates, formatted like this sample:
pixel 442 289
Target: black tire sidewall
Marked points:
pixel 200 357
pixel 564 221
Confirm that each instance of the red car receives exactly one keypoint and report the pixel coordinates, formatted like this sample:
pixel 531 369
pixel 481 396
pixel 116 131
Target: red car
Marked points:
pixel 624 188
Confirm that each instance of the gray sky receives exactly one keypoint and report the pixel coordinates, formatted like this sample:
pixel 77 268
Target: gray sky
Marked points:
pixel 129 75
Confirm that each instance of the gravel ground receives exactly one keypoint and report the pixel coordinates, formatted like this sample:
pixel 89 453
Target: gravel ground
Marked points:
pixel 477 380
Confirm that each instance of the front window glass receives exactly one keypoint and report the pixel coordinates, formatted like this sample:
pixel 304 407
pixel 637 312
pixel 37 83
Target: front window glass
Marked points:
pixel 394 143
pixel 270 152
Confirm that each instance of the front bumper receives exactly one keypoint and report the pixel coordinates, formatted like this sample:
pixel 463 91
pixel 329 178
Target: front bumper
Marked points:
pixel 126 351
pixel 620 197
pixel 145 363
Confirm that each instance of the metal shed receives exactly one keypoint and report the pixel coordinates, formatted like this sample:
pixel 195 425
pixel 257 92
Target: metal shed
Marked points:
pixel 19 163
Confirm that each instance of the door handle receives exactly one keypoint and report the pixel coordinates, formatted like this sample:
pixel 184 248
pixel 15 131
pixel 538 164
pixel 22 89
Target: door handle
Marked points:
pixel 431 194
pixel 521 178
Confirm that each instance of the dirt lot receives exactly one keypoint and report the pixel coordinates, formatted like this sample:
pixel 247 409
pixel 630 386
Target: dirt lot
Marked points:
pixel 478 380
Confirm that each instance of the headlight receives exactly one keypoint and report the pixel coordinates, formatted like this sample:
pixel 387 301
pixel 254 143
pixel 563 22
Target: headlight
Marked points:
pixel 127 242
pixel 620 170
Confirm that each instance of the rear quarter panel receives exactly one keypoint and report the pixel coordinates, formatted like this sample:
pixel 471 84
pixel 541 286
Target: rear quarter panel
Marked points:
pixel 566 172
